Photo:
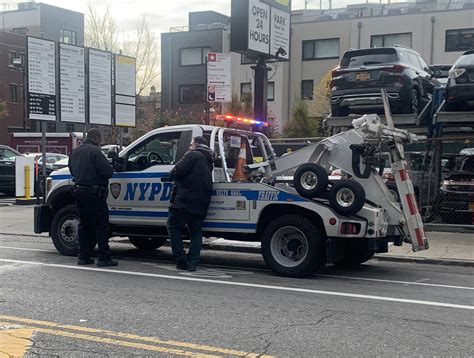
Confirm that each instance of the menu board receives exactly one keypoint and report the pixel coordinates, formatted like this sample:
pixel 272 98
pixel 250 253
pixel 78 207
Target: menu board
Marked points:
pixel 41 79
pixel 100 87
pixel 125 88
pixel 71 64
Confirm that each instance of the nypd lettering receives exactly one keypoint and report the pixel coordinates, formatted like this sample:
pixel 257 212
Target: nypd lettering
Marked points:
pixel 143 191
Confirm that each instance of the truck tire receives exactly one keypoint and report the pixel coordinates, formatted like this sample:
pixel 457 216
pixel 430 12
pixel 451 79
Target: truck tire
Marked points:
pixel 310 180
pixel 147 243
pixel 392 188
pixel 355 253
pixel 64 230
pixel 347 197
pixel 293 246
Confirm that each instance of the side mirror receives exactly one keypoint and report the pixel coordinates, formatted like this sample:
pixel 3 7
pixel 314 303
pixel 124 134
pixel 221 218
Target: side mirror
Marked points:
pixel 112 154
pixel 436 72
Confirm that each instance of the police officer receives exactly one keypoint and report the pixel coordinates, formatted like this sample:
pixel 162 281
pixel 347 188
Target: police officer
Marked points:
pixel 190 200
pixel 91 172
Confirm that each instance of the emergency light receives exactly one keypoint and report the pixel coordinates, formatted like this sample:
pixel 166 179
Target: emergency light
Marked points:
pixel 229 118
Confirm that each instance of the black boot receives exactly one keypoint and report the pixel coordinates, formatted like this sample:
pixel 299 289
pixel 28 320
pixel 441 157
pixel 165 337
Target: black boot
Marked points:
pixel 181 263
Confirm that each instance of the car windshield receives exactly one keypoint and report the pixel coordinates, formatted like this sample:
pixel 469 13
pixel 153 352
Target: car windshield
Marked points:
pixel 465 60
pixel 368 57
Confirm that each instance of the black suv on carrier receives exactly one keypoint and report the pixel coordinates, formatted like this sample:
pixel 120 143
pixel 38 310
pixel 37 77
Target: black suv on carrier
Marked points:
pixel 356 82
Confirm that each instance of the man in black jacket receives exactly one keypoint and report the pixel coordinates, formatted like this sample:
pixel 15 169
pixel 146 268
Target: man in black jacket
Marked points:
pixel 91 172
pixel 190 200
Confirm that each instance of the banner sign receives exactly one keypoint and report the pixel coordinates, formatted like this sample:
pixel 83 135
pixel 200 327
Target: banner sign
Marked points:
pixel 72 88
pixel 125 89
pixel 41 79
pixel 100 87
pixel 219 77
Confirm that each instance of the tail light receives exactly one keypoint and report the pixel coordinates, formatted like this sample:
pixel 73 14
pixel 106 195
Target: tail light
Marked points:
pixel 394 68
pixel 456 72
pixel 337 72
pixel 350 228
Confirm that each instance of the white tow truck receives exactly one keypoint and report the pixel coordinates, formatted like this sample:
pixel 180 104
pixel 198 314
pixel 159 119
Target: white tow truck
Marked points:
pixel 302 224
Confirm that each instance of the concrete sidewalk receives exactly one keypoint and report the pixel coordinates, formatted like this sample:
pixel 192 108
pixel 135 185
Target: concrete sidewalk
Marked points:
pixel 445 247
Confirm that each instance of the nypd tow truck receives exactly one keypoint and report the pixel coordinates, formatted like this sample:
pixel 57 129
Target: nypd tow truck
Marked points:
pixel 302 223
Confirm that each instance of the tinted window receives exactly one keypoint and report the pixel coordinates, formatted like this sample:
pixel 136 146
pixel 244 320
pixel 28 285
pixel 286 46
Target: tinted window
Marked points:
pixel 368 57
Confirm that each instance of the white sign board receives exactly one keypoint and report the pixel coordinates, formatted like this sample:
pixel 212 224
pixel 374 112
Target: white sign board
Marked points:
pixel 219 77
pixel 20 164
pixel 259 26
pixel 100 87
pixel 73 100
pixel 280 32
pixel 41 79
pixel 125 89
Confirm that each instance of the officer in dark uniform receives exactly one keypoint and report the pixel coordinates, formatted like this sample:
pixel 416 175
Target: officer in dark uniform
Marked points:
pixel 91 172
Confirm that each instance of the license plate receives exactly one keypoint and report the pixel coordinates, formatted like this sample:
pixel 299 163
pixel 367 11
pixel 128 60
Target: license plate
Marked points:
pixel 363 76
pixel 471 206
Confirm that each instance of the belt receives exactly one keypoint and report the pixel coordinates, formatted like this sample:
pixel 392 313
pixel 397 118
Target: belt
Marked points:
pixel 90 187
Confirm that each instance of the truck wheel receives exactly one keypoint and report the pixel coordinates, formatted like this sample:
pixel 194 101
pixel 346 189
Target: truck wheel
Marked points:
pixel 355 253
pixel 392 188
pixel 347 197
pixel 147 243
pixel 293 246
pixel 64 230
pixel 310 180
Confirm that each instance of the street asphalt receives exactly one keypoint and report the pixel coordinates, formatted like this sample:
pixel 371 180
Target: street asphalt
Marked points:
pixel 231 306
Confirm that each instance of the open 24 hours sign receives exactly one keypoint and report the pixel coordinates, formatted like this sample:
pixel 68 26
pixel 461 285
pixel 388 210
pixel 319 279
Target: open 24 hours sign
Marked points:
pixel 261 28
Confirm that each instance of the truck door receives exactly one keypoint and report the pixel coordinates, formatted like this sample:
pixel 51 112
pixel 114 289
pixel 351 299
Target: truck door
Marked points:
pixel 140 194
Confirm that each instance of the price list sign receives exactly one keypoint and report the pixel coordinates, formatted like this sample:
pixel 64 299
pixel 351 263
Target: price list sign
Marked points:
pixel 100 87
pixel 73 100
pixel 41 79
pixel 125 84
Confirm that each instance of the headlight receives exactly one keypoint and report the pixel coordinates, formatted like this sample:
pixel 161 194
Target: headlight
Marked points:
pixel 456 72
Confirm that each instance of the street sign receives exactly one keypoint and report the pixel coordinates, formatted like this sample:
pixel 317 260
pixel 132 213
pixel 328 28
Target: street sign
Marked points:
pixel 42 98
pixel 100 87
pixel 72 87
pixel 219 77
pixel 125 89
pixel 261 28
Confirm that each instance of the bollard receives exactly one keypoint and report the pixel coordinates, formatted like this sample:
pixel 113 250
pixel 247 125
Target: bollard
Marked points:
pixel 27 182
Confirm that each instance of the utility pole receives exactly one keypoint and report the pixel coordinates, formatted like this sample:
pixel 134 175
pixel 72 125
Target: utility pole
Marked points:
pixel 260 90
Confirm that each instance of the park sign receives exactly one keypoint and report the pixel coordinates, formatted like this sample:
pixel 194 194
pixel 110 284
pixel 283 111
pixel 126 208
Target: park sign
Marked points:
pixel 218 77
pixel 261 28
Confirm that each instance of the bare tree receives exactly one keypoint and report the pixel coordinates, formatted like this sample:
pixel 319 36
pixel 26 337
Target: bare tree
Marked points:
pixel 102 32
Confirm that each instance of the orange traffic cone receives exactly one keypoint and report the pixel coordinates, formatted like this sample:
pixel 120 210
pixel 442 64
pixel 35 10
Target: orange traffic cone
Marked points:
pixel 239 174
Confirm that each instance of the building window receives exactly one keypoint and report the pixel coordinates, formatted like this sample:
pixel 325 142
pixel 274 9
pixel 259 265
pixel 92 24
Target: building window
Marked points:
pixel 459 40
pixel 245 90
pixel 13 93
pixel 69 127
pixel 320 49
pixel 307 89
pixel 271 91
pixel 11 57
pixel 247 60
pixel 51 127
pixel 192 93
pixel 20 30
pixel 194 56
pixel 387 40
pixel 68 37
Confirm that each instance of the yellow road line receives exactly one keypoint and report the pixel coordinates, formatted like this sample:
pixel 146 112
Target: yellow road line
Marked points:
pixel 131 336
pixel 15 342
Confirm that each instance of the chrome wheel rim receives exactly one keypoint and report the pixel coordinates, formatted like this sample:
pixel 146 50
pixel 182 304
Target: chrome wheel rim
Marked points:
pixel 345 197
pixel 69 231
pixel 309 181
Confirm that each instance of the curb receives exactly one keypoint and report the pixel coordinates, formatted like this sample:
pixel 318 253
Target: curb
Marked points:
pixel 422 260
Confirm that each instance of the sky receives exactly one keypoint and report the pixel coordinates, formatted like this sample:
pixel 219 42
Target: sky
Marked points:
pixel 163 14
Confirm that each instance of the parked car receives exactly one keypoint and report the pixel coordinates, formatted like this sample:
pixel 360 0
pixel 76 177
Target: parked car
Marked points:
pixel 51 158
pixel 7 169
pixel 460 87
pixel 401 71
pixel 63 163
pixel 441 72
pixel 456 197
